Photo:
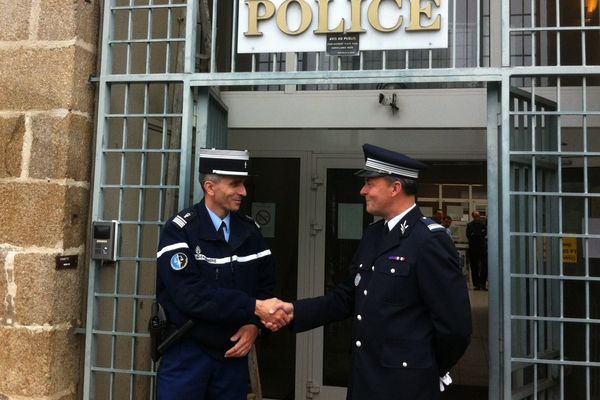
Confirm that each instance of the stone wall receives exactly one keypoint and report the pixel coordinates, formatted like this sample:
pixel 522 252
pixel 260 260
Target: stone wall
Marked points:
pixel 47 54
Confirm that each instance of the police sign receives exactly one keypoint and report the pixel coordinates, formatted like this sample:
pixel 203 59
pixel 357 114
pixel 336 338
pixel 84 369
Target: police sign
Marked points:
pixel 267 26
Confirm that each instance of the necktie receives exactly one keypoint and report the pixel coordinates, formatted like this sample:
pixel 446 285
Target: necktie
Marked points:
pixel 221 231
pixel 386 229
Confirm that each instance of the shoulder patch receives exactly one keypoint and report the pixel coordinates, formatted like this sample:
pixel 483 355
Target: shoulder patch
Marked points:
pixel 183 217
pixel 178 261
pixel 432 225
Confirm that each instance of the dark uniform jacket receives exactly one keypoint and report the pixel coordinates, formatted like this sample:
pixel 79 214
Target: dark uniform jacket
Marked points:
pixel 410 309
pixel 476 234
pixel 213 282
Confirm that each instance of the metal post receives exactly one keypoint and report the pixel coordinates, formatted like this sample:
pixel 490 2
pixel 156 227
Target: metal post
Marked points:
pixel 495 263
pixel 504 224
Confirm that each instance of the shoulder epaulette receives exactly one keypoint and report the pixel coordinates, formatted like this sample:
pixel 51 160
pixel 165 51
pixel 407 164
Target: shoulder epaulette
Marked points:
pixel 183 217
pixel 432 225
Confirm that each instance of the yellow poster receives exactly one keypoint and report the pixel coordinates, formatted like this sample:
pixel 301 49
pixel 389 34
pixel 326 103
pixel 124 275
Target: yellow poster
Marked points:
pixel 570 250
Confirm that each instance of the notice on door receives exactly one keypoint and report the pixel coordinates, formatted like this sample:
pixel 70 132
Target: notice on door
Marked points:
pixel 264 215
pixel 350 221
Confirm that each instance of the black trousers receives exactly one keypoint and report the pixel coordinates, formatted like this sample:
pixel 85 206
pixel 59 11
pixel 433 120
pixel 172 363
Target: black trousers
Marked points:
pixel 478 263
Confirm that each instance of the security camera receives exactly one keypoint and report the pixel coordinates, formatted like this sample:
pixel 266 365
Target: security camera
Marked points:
pixel 393 104
pixel 390 100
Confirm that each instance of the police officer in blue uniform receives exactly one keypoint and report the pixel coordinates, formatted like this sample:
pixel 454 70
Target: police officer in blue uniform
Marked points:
pixel 213 268
pixel 406 293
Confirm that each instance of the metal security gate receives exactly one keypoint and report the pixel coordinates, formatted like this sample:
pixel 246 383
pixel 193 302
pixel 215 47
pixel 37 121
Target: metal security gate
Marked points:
pixel 550 276
pixel 142 175
pixel 528 253
pixel 159 59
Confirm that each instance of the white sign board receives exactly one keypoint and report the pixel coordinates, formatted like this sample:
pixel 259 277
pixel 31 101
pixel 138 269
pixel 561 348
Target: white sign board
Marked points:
pixel 271 26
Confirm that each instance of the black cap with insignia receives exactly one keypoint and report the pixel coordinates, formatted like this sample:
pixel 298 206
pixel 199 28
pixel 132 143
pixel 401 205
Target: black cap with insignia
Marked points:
pixel 381 162
pixel 224 162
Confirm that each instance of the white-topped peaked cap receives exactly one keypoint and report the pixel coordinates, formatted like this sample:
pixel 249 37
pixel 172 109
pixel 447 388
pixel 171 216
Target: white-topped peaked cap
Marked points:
pixel 224 162
pixel 380 162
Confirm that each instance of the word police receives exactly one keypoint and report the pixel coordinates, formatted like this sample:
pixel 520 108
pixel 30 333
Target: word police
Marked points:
pixel 263 10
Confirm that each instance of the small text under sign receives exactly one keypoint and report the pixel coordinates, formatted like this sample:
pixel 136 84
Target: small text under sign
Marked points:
pixel 342 44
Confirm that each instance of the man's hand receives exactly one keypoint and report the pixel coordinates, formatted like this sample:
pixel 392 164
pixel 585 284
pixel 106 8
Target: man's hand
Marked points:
pixel 245 337
pixel 274 313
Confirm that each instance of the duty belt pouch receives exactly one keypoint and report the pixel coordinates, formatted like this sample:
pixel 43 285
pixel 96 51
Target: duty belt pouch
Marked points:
pixel 157 327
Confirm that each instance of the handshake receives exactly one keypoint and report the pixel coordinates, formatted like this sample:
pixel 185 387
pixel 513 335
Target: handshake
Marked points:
pixel 274 313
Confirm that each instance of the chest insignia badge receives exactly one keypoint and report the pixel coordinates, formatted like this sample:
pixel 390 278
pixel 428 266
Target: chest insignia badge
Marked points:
pixel 198 255
pixel 403 227
pixel 357 279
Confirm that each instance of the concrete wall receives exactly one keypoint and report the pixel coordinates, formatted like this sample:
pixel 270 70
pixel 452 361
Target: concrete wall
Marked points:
pixel 418 108
pixel 47 53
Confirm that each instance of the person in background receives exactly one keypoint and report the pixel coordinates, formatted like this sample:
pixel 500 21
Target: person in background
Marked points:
pixel 438 217
pixel 476 235
pixel 446 224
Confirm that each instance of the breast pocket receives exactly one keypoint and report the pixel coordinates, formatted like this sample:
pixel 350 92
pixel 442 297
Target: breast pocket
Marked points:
pixel 395 280
pixel 246 274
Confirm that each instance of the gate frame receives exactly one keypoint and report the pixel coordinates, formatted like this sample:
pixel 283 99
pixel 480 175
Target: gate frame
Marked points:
pixel 498 80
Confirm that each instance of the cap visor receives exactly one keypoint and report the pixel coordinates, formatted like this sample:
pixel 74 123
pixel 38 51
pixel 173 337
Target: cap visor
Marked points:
pixel 366 173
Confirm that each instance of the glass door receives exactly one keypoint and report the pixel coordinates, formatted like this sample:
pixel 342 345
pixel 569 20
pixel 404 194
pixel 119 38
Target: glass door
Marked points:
pixel 273 201
pixel 339 221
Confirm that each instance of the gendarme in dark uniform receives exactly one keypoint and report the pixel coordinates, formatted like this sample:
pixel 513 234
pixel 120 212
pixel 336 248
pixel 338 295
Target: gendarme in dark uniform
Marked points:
pixel 212 277
pixel 406 293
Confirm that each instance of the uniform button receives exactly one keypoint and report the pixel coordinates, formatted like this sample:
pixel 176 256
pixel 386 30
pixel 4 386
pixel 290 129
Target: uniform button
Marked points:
pixel 405 364
pixel 372 268
pixel 393 270
pixel 358 343
pixel 365 292
pixel 359 317
pixel 360 266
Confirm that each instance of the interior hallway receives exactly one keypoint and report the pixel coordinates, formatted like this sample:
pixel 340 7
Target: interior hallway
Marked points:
pixel 471 374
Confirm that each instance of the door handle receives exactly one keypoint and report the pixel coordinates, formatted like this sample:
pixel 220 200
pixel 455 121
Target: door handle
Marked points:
pixel 315 228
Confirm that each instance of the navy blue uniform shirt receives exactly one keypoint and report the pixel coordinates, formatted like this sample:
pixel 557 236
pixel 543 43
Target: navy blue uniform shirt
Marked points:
pixel 213 282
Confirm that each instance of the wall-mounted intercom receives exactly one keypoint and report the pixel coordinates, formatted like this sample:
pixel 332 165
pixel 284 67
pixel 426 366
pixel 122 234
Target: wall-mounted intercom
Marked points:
pixel 105 235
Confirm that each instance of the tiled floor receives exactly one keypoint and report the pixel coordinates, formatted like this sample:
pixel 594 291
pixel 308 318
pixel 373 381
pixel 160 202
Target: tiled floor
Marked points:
pixel 471 373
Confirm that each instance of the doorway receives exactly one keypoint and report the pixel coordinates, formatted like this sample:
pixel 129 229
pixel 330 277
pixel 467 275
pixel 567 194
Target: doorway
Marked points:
pixel 274 200
pixel 329 233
